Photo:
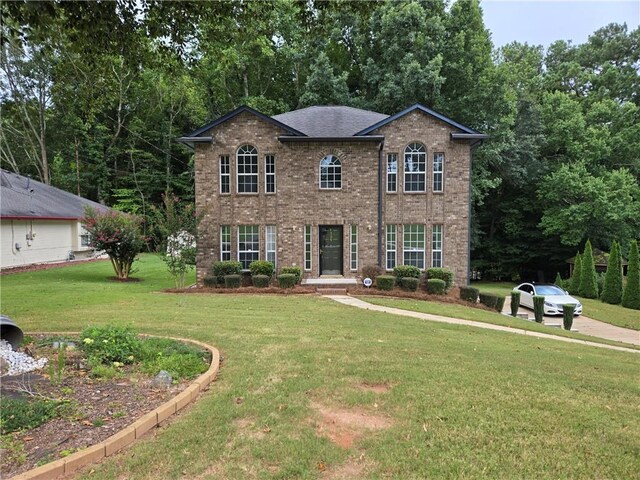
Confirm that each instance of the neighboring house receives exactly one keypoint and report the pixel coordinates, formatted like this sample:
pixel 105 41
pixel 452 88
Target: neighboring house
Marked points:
pixel 40 223
pixel 333 189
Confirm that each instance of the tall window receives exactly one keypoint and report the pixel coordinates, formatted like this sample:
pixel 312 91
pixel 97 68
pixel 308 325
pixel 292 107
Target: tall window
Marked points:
pixel 391 246
pixel 330 173
pixel 392 172
pixel 271 244
pixel 248 245
pixel 438 172
pixel 414 167
pixel 354 247
pixel 436 246
pixel 225 174
pixel 413 245
pixel 247 165
pixel 270 174
pixel 225 242
pixel 307 247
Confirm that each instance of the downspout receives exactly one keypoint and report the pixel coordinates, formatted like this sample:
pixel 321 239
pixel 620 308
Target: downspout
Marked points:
pixel 380 187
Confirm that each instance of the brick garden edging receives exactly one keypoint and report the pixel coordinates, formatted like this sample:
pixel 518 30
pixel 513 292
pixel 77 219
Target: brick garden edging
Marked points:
pixel 133 432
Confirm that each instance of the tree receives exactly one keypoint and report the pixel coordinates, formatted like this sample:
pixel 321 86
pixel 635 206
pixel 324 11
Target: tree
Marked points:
pixel 117 234
pixel 631 295
pixel 574 285
pixel 323 86
pixel 612 290
pixel 588 278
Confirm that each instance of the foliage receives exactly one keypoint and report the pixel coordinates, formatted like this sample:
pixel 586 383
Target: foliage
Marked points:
pixel 210 281
pixel 261 267
pixel 567 315
pixel 436 286
pixel 574 285
pixel 181 360
pixel 25 413
pixel 588 277
pixel 469 294
pixel 385 282
pixel 409 284
pixel 260 281
pixel 287 280
pixel 443 274
pixel 232 281
pixel 371 271
pixel 631 295
pixel 402 271
pixel 558 280
pixel 492 300
pixel 227 267
pixel 110 343
pixel 538 308
pixel 515 303
pixel 295 271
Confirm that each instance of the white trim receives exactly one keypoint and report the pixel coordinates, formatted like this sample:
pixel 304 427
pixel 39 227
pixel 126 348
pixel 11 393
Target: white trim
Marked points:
pixel 252 156
pixel 433 173
pixel 353 247
pixel 423 154
pixel 257 230
pixel 391 229
pixel 267 174
pixel 320 167
pixel 228 174
pixel 392 173
pixel 222 252
pixel 308 265
pixel 440 241
pixel 407 229
pixel 271 230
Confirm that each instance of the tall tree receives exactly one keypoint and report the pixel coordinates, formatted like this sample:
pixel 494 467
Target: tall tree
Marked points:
pixel 612 289
pixel 631 295
pixel 588 277
pixel 323 86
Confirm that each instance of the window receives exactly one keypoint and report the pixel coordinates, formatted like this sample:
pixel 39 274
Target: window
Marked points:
pixel 391 247
pixel 436 246
pixel 413 245
pixel 414 167
pixel 438 172
pixel 270 174
pixel 307 247
pixel 225 174
pixel 247 164
pixel 330 173
pixel 271 244
pixel 392 172
pixel 225 242
pixel 248 245
pixel 354 247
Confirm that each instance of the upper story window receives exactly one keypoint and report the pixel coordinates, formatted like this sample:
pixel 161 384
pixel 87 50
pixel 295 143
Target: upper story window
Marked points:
pixel 247 165
pixel 438 172
pixel 392 172
pixel 270 174
pixel 414 167
pixel 225 174
pixel 330 173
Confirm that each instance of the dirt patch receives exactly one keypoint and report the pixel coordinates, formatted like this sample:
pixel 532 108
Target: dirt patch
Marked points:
pixel 352 468
pixel 345 426
pixel 247 427
pixel 374 387
pixel 47 266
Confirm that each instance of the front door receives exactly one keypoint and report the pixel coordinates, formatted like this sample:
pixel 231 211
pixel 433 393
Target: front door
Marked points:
pixel 330 250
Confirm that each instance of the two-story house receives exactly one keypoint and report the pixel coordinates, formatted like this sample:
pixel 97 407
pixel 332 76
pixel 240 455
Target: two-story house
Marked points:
pixel 332 189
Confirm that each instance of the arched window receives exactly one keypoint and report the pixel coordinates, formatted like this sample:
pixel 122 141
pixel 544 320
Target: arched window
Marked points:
pixel 330 173
pixel 414 167
pixel 247 167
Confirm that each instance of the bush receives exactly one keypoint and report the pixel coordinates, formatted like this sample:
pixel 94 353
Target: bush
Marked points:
pixel 436 286
pixel 574 284
pixel 261 267
pixel 404 271
pixel 232 281
pixel 287 280
pixel 371 271
pixel 181 360
pixel 24 414
pixel 558 280
pixel 385 282
pixel 409 284
pixel 515 303
pixel 538 308
pixel 210 281
pixel 612 289
pixel 631 295
pixel 296 271
pixel 469 294
pixel 442 274
pixel 260 281
pixel 109 344
pixel 228 267
pixel 492 301
pixel 588 277
pixel 567 315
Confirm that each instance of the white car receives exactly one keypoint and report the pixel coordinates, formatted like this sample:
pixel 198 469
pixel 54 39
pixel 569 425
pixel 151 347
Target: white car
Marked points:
pixel 554 297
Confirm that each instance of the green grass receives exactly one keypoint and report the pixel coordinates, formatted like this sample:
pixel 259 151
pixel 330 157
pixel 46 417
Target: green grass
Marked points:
pixel 463 402
pixel 604 312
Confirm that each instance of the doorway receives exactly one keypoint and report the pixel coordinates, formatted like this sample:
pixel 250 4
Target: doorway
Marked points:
pixel 330 249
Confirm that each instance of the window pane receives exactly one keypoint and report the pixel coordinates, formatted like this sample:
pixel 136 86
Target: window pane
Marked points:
pixel 271 244
pixel 413 245
pixel 330 173
pixel 225 242
pixel 414 168
pixel 391 247
pixel 248 245
pixel 247 165
pixel 354 247
pixel 225 170
pixel 307 247
pixel 392 172
pixel 270 174
pixel 438 172
pixel 436 246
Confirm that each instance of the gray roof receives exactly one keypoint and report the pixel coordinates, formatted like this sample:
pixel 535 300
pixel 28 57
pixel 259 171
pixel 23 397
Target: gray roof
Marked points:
pixel 338 121
pixel 22 197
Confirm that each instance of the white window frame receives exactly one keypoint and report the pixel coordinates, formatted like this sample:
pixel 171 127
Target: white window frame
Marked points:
pixel 225 240
pixel 437 236
pixel 411 245
pixel 392 246
pixel 269 173
pixel 243 231
pixel 307 248
pixel 438 175
pixel 271 243
pixel 246 153
pixel 225 173
pixel 353 247
pixel 392 173
pixel 415 153
pixel 333 166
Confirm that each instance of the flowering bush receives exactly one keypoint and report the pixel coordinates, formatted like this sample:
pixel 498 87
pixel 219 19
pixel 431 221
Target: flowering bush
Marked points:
pixel 110 344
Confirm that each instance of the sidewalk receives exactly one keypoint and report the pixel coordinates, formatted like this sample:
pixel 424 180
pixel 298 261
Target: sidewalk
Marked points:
pixel 356 302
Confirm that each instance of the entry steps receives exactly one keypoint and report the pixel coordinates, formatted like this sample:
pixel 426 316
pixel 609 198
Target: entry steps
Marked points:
pixel 330 285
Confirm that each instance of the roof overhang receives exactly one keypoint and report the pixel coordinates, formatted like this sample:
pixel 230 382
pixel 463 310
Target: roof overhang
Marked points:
pixel 469 136
pixel 191 141
pixel 355 138
pixel 26 217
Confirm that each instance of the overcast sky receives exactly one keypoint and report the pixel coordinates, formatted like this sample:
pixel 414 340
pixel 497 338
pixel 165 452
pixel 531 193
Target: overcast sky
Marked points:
pixel 543 22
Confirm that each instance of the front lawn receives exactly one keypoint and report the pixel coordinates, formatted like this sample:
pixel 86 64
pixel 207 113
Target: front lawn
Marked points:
pixel 441 401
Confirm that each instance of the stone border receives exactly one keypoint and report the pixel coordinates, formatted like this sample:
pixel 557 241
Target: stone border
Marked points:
pixel 133 432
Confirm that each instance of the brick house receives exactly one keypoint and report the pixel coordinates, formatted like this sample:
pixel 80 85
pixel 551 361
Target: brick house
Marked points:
pixel 332 189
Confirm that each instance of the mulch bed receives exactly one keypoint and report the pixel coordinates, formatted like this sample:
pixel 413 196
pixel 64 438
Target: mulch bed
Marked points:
pixel 46 266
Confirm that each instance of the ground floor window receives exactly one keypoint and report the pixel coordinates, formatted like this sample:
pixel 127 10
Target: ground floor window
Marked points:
pixel 391 247
pixel 307 247
pixel 436 246
pixel 225 242
pixel 248 245
pixel 271 244
pixel 354 247
pixel 413 245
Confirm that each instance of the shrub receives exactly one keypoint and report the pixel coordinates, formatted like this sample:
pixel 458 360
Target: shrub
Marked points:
pixel 110 343
pixel 403 271
pixel 227 267
pixel 515 303
pixel 181 360
pixel 558 280
pixel 442 274
pixel 574 285
pixel 538 308
pixel 436 286
pixel 612 289
pixel 410 284
pixel 261 267
pixel 371 271
pixel 287 280
pixel 385 282
pixel 631 295
pixel 600 283
pixel 210 281
pixel 232 281
pixel 567 315
pixel 260 281
pixel 588 278
pixel 23 414
pixel 296 271
pixel 469 294
pixel 492 301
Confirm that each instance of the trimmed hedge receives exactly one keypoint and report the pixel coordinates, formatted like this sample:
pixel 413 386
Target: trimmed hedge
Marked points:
pixel 232 281
pixel 228 267
pixel 492 301
pixel 538 308
pixel 385 282
pixel 295 271
pixel 436 286
pixel 515 303
pixel 567 315
pixel 287 280
pixel 409 284
pixel 210 281
pixel 469 294
pixel 261 267
pixel 442 274
pixel 403 271
pixel 260 281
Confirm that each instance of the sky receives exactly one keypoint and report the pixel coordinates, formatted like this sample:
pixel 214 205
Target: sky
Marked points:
pixel 545 21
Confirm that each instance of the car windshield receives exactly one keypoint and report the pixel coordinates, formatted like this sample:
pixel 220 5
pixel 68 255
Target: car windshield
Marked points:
pixel 549 290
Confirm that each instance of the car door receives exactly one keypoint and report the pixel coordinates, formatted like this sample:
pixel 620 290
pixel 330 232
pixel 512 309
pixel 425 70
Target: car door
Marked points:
pixel 526 295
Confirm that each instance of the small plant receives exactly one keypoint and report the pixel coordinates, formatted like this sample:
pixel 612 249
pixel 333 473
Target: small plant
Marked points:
pixel 631 295
pixel 442 274
pixel 210 281
pixel 436 286
pixel 232 281
pixel 515 303
pixel 567 315
pixel 371 271
pixel 260 281
pixel 261 267
pixel 469 294
pixel 98 422
pixel 296 271
pixel 286 280
pixel 410 284
pixel 104 372
pixel 110 343
pixel 12 450
pixel 228 267
pixel 538 308
pixel 55 370
pixel 492 301
pixel 385 282
pixel 403 271
pixel 23 414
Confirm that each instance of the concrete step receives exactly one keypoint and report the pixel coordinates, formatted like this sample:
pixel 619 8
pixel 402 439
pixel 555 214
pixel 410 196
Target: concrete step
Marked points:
pixel 331 290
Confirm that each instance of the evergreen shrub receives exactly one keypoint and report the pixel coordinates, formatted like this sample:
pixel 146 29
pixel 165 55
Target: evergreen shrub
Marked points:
pixel 295 271
pixel 469 294
pixel 567 315
pixel 232 281
pixel 588 278
pixel 492 301
pixel 287 280
pixel 261 267
pixel 436 286
pixel 210 281
pixel 409 284
pixel 442 274
pixel 612 289
pixel 574 284
pixel 515 303
pixel 631 295
pixel 538 308
pixel 385 282
pixel 260 281
pixel 227 267
pixel 403 271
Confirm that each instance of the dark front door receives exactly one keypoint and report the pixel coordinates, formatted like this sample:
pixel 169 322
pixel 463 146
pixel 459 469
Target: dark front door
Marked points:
pixel 331 250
